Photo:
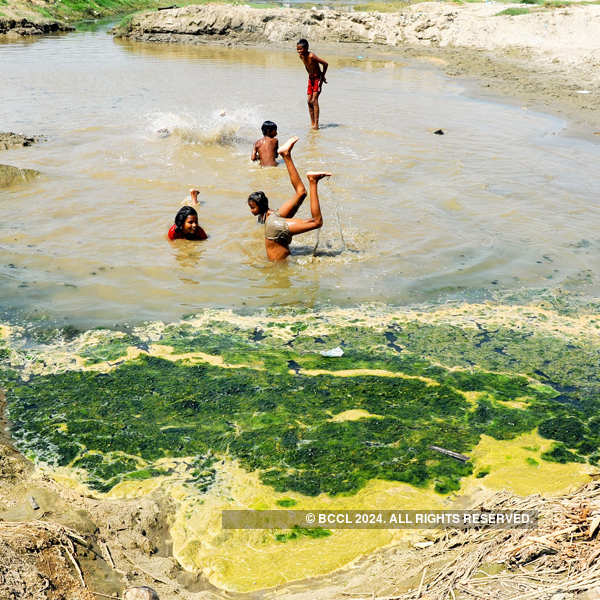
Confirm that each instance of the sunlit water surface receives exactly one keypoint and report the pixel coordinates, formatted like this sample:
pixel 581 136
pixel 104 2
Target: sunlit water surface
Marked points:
pixel 502 201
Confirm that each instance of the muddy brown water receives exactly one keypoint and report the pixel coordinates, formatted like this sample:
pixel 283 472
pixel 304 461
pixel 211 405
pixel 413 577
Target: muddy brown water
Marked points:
pixel 502 201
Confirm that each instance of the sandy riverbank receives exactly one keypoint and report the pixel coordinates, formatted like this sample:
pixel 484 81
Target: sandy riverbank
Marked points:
pixel 545 59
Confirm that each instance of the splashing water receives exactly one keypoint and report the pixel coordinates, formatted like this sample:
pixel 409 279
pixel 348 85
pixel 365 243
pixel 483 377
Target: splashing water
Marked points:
pixel 222 127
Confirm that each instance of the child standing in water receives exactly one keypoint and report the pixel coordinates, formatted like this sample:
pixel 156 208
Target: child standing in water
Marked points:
pixel 280 225
pixel 316 79
pixel 265 149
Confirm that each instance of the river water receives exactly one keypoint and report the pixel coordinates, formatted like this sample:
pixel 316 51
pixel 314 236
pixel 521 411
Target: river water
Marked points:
pixel 502 202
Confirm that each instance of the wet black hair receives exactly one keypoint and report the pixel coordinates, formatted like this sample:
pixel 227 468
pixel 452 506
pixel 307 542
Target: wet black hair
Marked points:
pixel 261 200
pixel 268 126
pixel 303 43
pixel 183 213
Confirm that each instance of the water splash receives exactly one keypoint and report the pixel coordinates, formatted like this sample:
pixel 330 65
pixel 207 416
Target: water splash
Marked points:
pixel 222 127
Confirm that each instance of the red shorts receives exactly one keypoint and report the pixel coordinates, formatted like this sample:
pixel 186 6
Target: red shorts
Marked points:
pixel 314 84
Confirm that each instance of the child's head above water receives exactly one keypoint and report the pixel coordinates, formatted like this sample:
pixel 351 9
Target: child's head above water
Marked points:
pixel 258 203
pixel 269 129
pixel 186 221
pixel 302 44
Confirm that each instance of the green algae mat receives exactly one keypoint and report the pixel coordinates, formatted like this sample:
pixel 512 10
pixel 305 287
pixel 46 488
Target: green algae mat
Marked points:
pixel 115 407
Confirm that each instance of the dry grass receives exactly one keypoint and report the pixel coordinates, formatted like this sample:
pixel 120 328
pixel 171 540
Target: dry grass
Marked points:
pixel 38 561
pixel 561 555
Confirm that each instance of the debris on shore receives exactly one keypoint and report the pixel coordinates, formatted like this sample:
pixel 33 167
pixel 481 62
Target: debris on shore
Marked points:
pixel 10 140
pixel 560 556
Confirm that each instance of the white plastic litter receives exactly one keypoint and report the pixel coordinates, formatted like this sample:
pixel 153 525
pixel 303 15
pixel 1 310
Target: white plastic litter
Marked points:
pixel 333 353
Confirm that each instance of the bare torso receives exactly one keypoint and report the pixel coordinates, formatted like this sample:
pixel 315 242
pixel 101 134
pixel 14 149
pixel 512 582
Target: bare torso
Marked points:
pixel 266 149
pixel 276 251
pixel 311 64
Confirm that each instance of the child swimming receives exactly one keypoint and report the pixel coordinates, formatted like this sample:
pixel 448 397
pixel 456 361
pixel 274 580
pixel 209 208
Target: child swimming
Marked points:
pixel 280 226
pixel 265 149
pixel 316 79
pixel 186 226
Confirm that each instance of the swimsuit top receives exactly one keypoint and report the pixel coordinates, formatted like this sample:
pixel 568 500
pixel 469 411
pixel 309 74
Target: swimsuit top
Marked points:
pixel 276 229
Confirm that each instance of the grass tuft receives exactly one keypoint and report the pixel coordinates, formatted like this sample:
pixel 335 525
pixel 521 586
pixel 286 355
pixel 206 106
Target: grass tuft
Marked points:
pixel 513 12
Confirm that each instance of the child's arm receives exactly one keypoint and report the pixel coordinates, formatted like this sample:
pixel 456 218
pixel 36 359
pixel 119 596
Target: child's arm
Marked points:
pixel 255 152
pixel 324 64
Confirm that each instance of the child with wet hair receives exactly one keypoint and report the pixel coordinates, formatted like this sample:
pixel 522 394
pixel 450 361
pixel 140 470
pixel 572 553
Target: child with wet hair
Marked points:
pixel 281 225
pixel 266 148
pixel 186 226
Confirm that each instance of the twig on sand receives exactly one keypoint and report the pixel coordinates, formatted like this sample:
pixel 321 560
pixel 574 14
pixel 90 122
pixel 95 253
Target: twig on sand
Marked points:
pixel 421 584
pixel 75 564
pixel 107 555
pixel 51 527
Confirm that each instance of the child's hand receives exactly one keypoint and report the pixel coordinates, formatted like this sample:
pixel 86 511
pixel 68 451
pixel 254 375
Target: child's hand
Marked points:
pixel 323 80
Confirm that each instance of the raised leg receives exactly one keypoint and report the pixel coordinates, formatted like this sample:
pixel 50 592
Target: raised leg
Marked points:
pixel 289 208
pixel 297 226
pixel 313 179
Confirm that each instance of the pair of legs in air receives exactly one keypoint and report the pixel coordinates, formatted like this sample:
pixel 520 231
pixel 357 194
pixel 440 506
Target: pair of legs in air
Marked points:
pixel 284 224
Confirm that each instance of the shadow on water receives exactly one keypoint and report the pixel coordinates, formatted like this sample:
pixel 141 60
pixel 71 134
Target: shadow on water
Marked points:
pixel 188 254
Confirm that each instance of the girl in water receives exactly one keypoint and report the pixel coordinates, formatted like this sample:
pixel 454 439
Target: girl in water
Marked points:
pixel 186 226
pixel 280 225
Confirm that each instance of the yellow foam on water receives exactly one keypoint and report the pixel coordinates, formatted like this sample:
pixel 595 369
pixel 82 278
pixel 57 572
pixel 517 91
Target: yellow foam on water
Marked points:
pixel 354 414
pixel 249 560
pixel 159 351
pixel 246 560
pixel 68 478
pixel 509 469
pixel 135 488
pixel 367 372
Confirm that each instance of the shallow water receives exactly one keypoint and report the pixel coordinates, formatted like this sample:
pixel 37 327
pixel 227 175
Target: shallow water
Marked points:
pixel 501 202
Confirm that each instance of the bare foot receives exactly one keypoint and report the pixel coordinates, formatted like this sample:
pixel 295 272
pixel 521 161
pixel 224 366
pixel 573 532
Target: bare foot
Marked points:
pixel 287 147
pixel 316 175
